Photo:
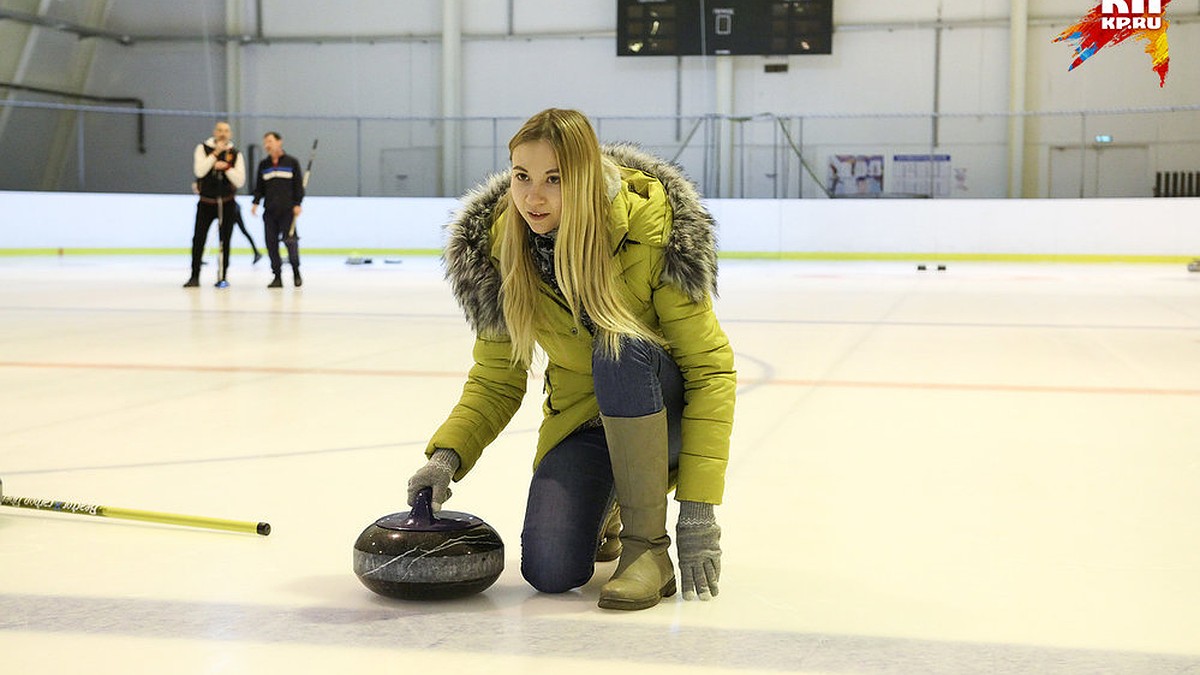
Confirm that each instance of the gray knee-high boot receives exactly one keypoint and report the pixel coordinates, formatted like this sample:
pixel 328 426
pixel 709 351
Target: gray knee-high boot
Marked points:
pixel 645 575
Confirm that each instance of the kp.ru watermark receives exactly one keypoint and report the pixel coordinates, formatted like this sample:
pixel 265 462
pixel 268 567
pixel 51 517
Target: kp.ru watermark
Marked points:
pixel 1132 14
pixel 1114 21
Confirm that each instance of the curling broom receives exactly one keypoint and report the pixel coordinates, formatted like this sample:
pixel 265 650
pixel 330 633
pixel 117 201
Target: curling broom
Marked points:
pixel 304 182
pixel 135 514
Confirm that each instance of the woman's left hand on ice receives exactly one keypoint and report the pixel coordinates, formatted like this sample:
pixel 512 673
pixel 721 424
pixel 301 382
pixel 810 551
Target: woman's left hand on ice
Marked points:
pixel 698 540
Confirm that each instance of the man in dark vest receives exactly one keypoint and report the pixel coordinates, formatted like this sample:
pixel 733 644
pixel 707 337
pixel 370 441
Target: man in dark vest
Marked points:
pixel 280 183
pixel 220 172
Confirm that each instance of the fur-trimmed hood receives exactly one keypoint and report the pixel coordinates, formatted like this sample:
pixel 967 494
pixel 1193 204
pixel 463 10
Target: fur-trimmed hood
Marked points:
pixel 689 261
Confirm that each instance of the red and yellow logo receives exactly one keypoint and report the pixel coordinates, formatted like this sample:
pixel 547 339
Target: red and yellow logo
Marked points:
pixel 1114 21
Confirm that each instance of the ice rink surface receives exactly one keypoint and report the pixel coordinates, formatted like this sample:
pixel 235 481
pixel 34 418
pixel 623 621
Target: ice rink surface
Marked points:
pixel 992 469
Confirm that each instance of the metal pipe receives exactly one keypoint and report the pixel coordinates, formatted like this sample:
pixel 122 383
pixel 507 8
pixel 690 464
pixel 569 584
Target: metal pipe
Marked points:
pixel 1018 42
pixel 233 57
pixel 937 79
pixel 451 94
pixel 1082 154
pixel 68 26
pixel 678 98
pixel 776 149
pixel 724 108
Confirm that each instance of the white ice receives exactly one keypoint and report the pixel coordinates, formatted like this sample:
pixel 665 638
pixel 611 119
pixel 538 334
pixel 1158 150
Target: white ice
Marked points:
pixel 991 469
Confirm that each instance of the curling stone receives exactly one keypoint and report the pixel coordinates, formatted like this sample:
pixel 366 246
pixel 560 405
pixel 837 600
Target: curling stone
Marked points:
pixel 417 555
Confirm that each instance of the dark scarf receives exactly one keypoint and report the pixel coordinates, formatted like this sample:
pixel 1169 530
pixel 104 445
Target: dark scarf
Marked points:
pixel 542 248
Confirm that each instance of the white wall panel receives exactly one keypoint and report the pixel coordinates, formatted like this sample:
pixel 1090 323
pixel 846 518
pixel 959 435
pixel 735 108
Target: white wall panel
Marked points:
pixel 550 16
pixel 174 17
pixel 974 70
pixel 1065 227
pixel 386 79
pixel 518 77
pixel 892 73
pixel 352 17
pixel 870 11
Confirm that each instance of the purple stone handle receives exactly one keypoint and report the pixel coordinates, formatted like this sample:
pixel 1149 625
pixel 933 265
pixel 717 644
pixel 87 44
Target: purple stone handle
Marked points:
pixel 421 515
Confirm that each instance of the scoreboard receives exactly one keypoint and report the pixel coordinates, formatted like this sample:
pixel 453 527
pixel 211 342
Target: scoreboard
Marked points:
pixel 711 27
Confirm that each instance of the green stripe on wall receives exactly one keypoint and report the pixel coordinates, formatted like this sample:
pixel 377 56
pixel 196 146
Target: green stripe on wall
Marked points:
pixel 831 256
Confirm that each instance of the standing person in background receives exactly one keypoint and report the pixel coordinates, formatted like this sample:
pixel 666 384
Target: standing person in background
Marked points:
pixel 237 220
pixel 220 173
pixel 281 185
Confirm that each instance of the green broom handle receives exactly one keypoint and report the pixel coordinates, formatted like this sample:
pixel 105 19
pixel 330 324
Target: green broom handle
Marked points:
pixel 136 514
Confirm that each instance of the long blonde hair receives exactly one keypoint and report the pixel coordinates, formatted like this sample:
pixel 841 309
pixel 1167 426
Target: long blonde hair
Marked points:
pixel 583 258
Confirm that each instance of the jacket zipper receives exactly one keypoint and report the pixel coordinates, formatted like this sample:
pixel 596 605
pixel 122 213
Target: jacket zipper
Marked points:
pixel 549 392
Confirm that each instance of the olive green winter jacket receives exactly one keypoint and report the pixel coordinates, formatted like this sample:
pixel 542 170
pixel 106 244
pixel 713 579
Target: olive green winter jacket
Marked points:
pixel 663 237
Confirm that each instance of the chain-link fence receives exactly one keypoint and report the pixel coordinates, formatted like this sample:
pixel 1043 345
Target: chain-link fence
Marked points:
pixel 1117 153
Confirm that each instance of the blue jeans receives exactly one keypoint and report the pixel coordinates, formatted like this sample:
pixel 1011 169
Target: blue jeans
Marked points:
pixel 572 489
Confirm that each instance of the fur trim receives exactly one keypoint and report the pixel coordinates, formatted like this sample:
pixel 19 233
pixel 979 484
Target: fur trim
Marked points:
pixel 690 261
pixel 690 258
pixel 612 177
pixel 474 280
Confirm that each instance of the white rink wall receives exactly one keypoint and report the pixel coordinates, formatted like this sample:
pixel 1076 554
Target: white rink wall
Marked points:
pixel 828 228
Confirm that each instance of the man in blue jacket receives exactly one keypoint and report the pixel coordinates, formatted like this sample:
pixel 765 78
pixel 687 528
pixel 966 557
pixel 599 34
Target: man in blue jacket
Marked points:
pixel 280 185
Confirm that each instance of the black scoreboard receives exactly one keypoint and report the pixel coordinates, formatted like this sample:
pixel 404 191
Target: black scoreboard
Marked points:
pixel 739 27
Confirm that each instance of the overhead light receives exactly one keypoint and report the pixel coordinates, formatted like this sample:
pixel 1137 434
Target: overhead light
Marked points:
pixel 1103 138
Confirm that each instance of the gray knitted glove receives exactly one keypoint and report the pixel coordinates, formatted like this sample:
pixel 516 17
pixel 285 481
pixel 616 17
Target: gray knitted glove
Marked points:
pixel 698 539
pixel 436 474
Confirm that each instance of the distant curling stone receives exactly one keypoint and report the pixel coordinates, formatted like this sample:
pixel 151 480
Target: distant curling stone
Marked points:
pixel 417 555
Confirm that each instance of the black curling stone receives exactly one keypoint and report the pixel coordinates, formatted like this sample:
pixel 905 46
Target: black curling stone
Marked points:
pixel 417 555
